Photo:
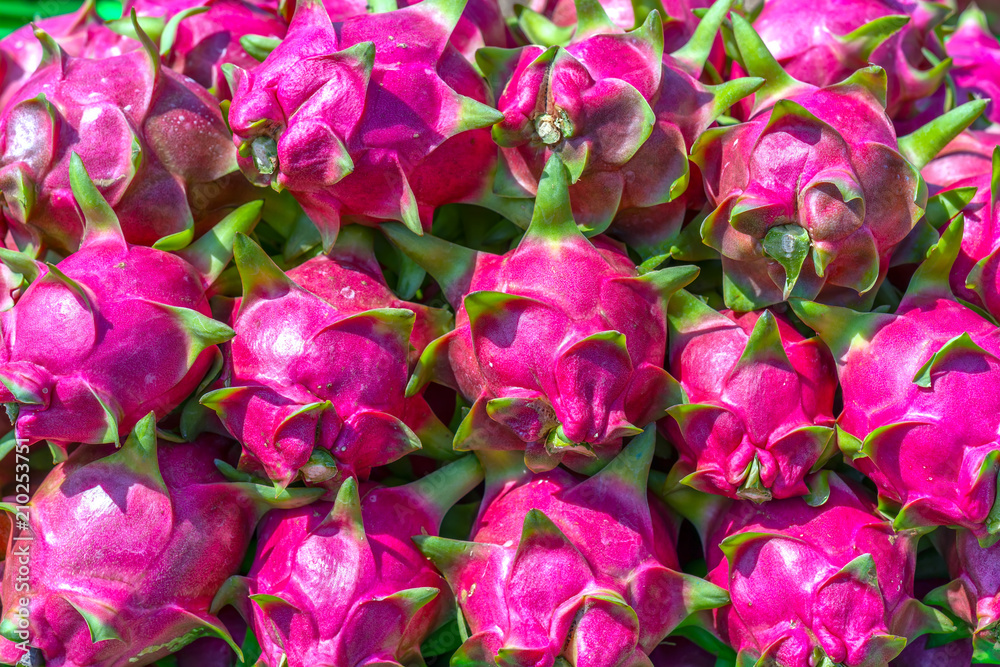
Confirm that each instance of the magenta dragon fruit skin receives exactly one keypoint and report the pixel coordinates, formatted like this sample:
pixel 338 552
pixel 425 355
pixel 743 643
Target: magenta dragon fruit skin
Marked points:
pixel 758 415
pixel 80 34
pixel 974 595
pixel 620 113
pixel 822 581
pixel 975 55
pixel 824 42
pixel 125 561
pixel 904 376
pixel 207 39
pixel 559 343
pixel 387 598
pixel 376 118
pixel 813 193
pixel 134 334
pixel 316 375
pixel 568 572
pixel 145 134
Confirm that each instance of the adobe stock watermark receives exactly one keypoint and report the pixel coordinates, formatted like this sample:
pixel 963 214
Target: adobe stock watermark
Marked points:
pixel 19 556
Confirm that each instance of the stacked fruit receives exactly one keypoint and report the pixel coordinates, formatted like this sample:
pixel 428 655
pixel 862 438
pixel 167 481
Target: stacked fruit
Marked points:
pixel 578 334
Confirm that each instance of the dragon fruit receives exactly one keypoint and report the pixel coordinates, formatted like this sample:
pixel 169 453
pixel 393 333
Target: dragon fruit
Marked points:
pixel 824 42
pixel 975 53
pixel 387 599
pixel 559 342
pixel 619 113
pixel 80 34
pixel 145 134
pixel 568 572
pixel 904 377
pixel 812 194
pixel 973 596
pixel 759 410
pixel 378 119
pixel 822 581
pixel 199 36
pixel 316 374
pixel 134 331
pixel 124 559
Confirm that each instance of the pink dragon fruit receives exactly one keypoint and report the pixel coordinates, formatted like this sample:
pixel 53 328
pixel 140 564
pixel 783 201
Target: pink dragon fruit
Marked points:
pixel 134 331
pixel 620 113
pixel 568 572
pixel 559 342
pixel 824 42
pixel 823 581
pixel 80 34
pixel 316 374
pixel 976 56
pixel 124 559
pixel 974 595
pixel 387 598
pixel 387 128
pixel 813 193
pixel 145 133
pixel 199 36
pixel 758 415
pixel 904 377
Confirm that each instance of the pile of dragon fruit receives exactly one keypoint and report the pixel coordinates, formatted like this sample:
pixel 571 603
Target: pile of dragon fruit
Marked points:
pixel 584 333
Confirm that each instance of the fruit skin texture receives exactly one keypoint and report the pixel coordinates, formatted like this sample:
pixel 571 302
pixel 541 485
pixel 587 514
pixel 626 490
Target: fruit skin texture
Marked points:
pixel 974 595
pixel 976 61
pixel 813 193
pixel 206 41
pixel 807 583
pixel 361 127
pixel 145 133
pixel 134 331
pixel 388 599
pixel 125 553
pixel 619 112
pixel 815 42
pixel 320 363
pixel 559 342
pixel 905 377
pixel 758 415
pixel 80 34
pixel 561 570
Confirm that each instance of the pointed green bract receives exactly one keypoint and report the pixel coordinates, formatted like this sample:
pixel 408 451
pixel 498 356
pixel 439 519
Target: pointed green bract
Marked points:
pixel 694 54
pixel 759 62
pixel 482 304
pixel 450 264
pixel 788 245
pixel 961 344
pixel 920 147
pixel 346 512
pixel 552 218
pixel 871 35
pixel 139 452
pixel 202 332
pixel 765 343
pixel 591 19
pixel 211 253
pixel 258 47
pixel 97 620
pixel 169 34
pixel 840 328
pixel 931 279
pixel 101 221
pixel 446 486
pixel 262 279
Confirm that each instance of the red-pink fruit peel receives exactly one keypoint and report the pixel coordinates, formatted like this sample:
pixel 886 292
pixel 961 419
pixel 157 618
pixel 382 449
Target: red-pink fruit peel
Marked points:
pixel 124 559
pixel 387 598
pixel 902 375
pixel 536 587
pixel 559 343
pixel 135 331
pixel 758 410
pixel 315 377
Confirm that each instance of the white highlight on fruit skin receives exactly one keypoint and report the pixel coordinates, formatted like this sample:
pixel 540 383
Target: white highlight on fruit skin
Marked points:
pixel 90 114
